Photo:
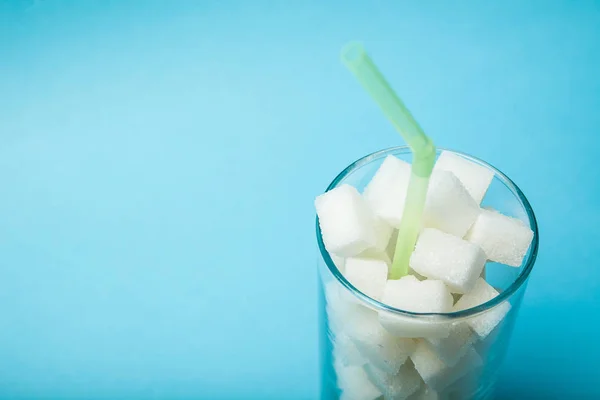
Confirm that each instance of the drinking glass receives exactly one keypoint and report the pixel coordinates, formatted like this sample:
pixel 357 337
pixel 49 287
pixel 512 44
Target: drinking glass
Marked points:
pixel 364 366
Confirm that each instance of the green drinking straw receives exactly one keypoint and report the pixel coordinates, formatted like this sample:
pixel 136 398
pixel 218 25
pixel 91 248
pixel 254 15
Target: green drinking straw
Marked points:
pixel 361 65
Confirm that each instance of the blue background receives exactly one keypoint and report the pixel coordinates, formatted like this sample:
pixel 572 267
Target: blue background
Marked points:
pixel 159 160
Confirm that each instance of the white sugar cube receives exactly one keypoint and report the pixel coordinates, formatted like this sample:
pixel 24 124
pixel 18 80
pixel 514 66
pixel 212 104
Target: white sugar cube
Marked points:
pixel 425 393
pixel 455 261
pixel 395 387
pixel 347 224
pixel 381 349
pixel 475 178
pixel 449 206
pixel 386 192
pixel 404 326
pixel 438 375
pixel 383 232
pixel 340 306
pixel 457 296
pixel 367 275
pixel 502 238
pixel 484 323
pixel 410 294
pixel 345 351
pixel 336 302
pixel 452 348
pixel 355 384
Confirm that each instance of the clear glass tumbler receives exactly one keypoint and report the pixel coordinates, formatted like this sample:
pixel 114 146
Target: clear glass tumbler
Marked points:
pixel 360 360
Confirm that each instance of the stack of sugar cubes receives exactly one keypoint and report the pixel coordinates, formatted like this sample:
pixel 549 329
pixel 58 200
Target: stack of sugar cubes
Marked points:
pixel 379 354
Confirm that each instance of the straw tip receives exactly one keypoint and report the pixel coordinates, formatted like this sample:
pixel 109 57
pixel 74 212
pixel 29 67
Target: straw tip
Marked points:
pixel 352 52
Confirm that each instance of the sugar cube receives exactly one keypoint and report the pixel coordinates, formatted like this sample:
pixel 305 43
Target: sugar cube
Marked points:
pixel 502 238
pixel 410 294
pixel 457 296
pixel 355 384
pixel 347 224
pixel 484 323
pixel 404 326
pixel 475 178
pixel 383 232
pixel 452 348
pixel 449 207
pixel 336 303
pixel 367 275
pixel 438 375
pixel 386 192
pixel 455 261
pixel 345 351
pixel 383 350
pixel 395 387
pixel 340 306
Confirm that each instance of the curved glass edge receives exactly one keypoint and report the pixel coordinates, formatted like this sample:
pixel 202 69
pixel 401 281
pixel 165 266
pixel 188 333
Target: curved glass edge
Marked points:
pixel 505 295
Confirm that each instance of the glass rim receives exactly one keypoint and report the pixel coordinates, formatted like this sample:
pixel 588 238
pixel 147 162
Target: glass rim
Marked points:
pixel 503 296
